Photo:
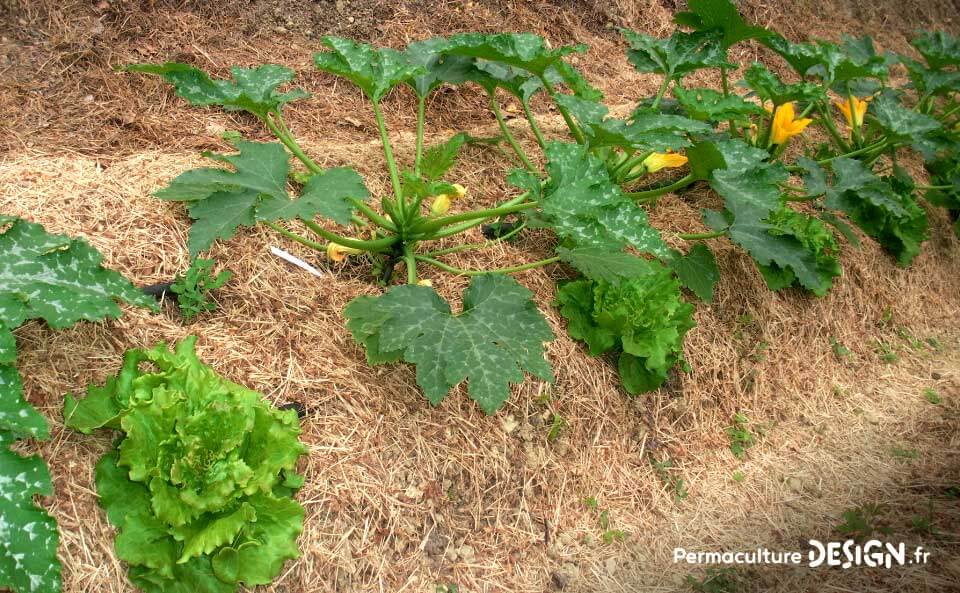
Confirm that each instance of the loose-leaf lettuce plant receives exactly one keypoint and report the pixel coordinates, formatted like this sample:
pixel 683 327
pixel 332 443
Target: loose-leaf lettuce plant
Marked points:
pixel 200 483
pixel 780 205
pixel 60 280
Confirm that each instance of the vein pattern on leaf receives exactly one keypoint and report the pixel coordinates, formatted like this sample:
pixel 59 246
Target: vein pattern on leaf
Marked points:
pixel 499 334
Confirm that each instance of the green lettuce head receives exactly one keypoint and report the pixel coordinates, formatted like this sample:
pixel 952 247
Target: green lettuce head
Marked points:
pixel 200 484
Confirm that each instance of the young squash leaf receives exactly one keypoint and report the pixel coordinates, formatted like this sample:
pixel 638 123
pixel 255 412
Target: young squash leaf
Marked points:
pixel 438 67
pixel 437 160
pixel 722 15
pixel 521 50
pixel 677 55
pixel 899 122
pixel 697 270
pixel 252 89
pixel 884 208
pixel 643 319
pixel 710 105
pixel 221 200
pixel 829 61
pixel 938 48
pixel 374 70
pixel 582 206
pixel 769 87
pixel 931 81
pixel 645 132
pixel 498 336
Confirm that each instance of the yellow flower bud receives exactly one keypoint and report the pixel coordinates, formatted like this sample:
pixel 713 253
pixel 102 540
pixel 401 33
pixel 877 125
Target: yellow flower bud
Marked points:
pixel 459 191
pixel 338 253
pixel 440 205
pixel 425 282
pixel 854 118
pixel 663 160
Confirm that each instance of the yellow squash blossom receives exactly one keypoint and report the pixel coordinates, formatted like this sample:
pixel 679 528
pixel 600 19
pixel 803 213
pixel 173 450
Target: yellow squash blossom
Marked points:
pixel 425 282
pixel 440 205
pixel 854 118
pixel 338 253
pixel 785 124
pixel 458 191
pixel 663 160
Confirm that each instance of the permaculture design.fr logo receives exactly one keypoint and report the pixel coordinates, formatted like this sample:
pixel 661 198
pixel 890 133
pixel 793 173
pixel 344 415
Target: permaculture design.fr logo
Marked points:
pixel 873 553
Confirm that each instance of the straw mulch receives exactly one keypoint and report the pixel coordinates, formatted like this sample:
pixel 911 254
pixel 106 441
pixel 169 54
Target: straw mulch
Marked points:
pixel 404 497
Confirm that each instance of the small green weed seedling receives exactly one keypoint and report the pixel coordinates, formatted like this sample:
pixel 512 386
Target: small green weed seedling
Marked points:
pixel 861 522
pixel 932 395
pixel 194 287
pixel 556 427
pixel 905 453
pixel 740 436
pixel 716 580
pixel 839 350
pixel 887 352
pixel 607 535
pixel 675 484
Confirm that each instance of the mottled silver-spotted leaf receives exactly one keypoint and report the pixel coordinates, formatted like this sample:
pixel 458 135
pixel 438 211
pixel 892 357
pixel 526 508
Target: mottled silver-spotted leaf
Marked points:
pixel 582 205
pixel 57 279
pixel 221 200
pixel 899 122
pixel 498 336
pixel 28 535
pixel 17 418
pixel 522 50
pixel 769 87
pixel 438 67
pixel 710 105
pixel 374 70
pixel 645 132
pixel 252 89
pixel 677 55
pixel 938 48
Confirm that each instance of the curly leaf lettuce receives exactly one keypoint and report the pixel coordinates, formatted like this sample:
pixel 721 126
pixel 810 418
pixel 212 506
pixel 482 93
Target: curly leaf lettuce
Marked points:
pixel 197 484
pixel 644 320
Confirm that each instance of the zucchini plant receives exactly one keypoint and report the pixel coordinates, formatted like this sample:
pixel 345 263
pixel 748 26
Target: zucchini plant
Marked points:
pixel 60 280
pixel 783 207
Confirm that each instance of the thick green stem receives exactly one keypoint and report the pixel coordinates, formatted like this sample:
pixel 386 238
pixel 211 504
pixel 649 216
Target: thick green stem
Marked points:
pixel 426 229
pixel 411 260
pixel 279 129
pixel 459 228
pixel 649 194
pixel 660 93
pixel 701 236
pixel 832 129
pixel 879 145
pixel 628 165
pixel 472 246
pixel 495 106
pixel 725 85
pixel 537 133
pixel 510 270
pixel 295 237
pixel 574 129
pixel 373 215
pixel 372 245
pixel 421 116
pixel 391 163
pixel 932 187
